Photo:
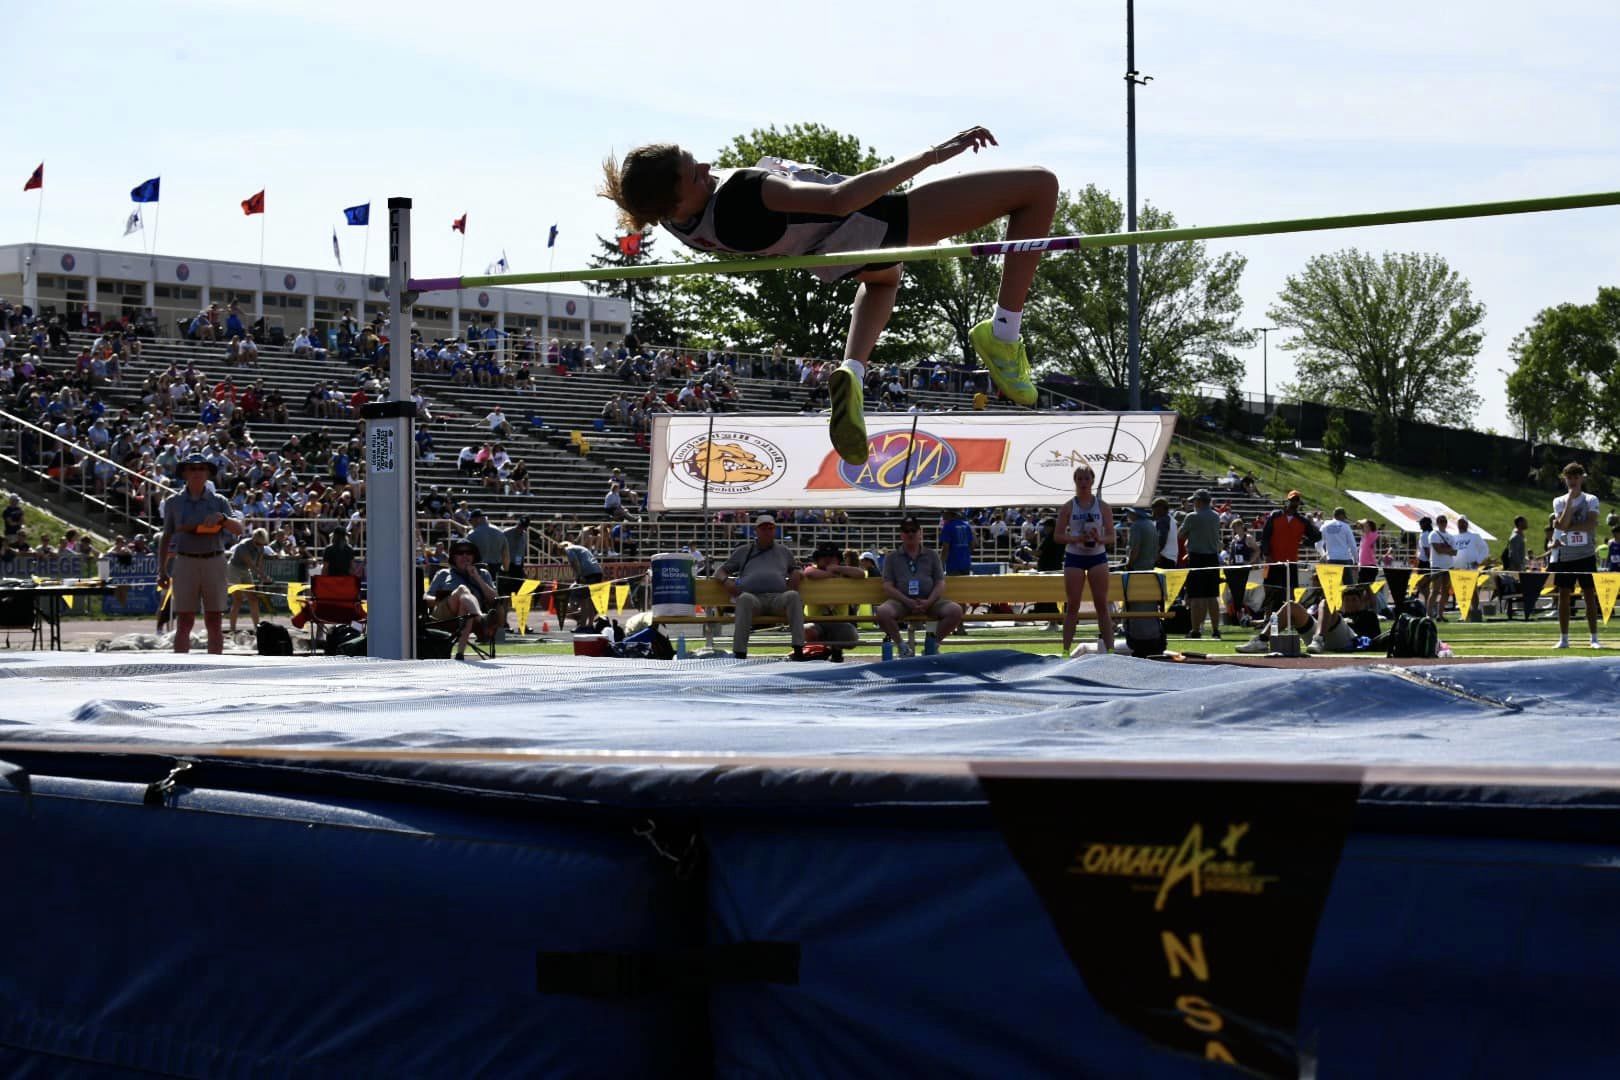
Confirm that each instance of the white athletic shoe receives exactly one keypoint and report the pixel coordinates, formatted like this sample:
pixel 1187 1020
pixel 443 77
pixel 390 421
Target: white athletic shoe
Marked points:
pixel 905 650
pixel 1563 643
pixel 1316 647
pixel 1596 644
pixel 1255 647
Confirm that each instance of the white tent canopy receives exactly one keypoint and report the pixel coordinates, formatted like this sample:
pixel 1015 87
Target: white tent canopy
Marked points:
pixel 1403 511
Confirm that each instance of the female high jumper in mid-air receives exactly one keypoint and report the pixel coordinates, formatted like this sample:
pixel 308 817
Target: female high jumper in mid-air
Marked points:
pixel 781 208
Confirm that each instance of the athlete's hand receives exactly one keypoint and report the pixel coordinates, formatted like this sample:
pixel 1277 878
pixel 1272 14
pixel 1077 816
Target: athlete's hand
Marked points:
pixel 973 138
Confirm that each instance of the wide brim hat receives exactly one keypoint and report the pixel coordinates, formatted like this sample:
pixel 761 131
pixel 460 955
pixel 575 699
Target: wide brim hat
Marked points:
pixel 198 459
pixel 458 546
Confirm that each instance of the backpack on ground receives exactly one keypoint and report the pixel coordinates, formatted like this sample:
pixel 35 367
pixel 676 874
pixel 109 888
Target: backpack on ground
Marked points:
pixel 1414 636
pixel 273 639
pixel 337 637
pixel 432 644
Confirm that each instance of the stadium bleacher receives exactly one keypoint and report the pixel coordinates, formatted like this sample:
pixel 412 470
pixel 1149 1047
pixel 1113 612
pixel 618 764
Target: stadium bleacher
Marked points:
pixel 567 488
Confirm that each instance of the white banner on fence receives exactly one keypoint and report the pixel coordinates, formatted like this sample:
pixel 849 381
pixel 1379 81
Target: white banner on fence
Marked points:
pixel 939 459
pixel 1404 511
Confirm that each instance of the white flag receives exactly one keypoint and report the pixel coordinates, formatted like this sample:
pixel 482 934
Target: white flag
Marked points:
pixel 499 266
pixel 336 254
pixel 134 222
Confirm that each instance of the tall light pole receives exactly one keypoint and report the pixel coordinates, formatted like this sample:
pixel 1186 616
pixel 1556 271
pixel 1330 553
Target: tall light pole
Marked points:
pixel 1133 338
pixel 1265 395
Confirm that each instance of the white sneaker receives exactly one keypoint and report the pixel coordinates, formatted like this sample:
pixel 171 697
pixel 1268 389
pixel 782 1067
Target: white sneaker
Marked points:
pixel 1563 643
pixel 1596 644
pixel 1085 648
pixel 905 650
pixel 1316 647
pixel 1255 646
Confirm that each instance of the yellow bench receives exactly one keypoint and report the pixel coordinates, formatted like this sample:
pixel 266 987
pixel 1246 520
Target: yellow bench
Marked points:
pixel 1145 587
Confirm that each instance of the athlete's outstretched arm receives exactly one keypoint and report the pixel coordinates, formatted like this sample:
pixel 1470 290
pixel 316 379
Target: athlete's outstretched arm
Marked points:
pixel 847 196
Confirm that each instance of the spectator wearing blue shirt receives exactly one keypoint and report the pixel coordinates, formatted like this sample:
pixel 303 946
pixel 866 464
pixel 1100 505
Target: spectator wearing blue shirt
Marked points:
pixel 956 543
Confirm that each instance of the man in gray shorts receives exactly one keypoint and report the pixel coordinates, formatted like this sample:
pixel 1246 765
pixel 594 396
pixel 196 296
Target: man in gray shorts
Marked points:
pixel 914 582
pixel 196 523
pixel 763 576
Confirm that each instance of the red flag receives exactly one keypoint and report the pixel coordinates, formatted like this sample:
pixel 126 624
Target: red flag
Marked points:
pixel 460 224
pixel 253 204
pixel 37 180
pixel 630 245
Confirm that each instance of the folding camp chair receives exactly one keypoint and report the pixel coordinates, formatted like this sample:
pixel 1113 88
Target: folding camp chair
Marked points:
pixel 483 640
pixel 333 600
pixel 19 613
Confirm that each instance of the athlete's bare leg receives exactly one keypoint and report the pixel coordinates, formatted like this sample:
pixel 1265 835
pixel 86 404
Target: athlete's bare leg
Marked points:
pixel 950 206
pixel 874 303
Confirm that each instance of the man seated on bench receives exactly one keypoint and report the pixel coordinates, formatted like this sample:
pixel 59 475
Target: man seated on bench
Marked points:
pixel 827 562
pixel 465 590
pixel 914 582
pixel 763 576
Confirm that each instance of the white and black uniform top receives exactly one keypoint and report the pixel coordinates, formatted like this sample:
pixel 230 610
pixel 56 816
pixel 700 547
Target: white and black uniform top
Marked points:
pixel 1081 516
pixel 737 220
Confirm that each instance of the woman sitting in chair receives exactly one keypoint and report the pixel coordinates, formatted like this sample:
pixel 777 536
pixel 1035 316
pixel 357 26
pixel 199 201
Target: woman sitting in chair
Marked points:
pixel 463 590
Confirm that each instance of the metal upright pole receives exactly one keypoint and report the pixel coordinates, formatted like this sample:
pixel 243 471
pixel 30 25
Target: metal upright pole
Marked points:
pixel 1265 363
pixel 1133 347
pixel 391 586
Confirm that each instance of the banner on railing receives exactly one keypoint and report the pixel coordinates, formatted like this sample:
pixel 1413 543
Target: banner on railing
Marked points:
pixel 938 459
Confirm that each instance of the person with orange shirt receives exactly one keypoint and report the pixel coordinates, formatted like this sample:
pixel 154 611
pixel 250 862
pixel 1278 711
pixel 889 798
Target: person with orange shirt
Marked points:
pixel 1280 539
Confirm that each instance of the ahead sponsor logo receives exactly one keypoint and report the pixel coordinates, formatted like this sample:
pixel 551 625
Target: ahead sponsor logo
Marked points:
pixel 1052 463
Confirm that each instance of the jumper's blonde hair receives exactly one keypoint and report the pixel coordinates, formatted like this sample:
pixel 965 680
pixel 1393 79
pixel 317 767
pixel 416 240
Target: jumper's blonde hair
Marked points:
pixel 645 187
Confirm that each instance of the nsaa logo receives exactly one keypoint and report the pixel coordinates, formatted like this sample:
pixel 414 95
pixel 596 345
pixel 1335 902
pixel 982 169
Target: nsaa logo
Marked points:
pixel 901 458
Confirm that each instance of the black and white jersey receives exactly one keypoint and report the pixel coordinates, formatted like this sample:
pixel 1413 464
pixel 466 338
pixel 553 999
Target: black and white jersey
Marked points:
pixel 737 220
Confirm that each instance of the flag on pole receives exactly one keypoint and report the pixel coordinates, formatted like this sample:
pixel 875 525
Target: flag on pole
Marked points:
pixel 552 240
pixel 630 245
pixel 336 254
pixel 460 224
pixel 134 222
pixel 253 204
pixel 146 192
pixel 358 215
pixel 499 266
pixel 37 180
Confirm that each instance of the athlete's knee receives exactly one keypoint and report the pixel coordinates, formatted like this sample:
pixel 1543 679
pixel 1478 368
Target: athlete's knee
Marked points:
pixel 1043 185
pixel 889 277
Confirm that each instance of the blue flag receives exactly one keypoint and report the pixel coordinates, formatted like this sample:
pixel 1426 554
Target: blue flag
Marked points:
pixel 147 192
pixel 358 215
pixel 553 241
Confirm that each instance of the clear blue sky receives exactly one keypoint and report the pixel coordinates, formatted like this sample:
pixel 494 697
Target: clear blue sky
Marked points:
pixel 504 111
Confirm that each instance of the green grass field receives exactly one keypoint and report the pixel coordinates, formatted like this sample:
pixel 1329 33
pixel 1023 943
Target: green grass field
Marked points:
pixel 1490 504
pixel 1495 638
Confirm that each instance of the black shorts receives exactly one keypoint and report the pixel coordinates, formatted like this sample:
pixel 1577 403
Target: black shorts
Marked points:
pixel 1575 572
pixel 1279 576
pixel 894 210
pixel 1204 583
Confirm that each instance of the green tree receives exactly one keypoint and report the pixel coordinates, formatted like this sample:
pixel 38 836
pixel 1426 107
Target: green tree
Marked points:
pixel 1395 335
pixel 1333 441
pixel 1077 317
pixel 810 317
pixel 1278 433
pixel 654 316
pixel 1566 377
